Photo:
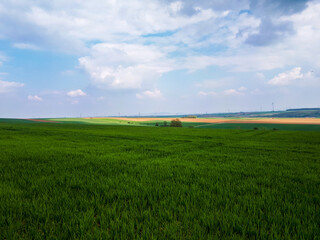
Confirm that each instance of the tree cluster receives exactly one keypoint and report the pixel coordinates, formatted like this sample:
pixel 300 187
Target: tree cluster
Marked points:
pixel 175 123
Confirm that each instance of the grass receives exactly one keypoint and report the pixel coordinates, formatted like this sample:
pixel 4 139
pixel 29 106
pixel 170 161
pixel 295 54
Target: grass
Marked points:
pixel 79 181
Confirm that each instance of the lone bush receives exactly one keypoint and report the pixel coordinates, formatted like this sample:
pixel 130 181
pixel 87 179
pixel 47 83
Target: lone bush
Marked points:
pixel 176 123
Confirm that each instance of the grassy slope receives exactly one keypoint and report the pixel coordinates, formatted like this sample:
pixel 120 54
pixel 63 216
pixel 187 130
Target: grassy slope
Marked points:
pixel 77 181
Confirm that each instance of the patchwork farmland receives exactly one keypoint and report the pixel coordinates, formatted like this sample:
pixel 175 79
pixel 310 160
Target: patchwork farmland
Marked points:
pixel 218 123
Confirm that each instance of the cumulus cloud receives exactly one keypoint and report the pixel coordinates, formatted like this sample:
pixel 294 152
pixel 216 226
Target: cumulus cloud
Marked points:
pixel 242 89
pixel 9 86
pixel 72 24
pixel 234 92
pixel 124 65
pixel 286 78
pixel 260 75
pixel 155 94
pixel 76 93
pixel 35 98
pixel 204 94
pixel 131 45
pixel 79 25
pixel 305 43
pixel 298 49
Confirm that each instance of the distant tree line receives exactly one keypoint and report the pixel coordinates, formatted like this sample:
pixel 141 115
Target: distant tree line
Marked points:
pixel 190 116
pixel 303 109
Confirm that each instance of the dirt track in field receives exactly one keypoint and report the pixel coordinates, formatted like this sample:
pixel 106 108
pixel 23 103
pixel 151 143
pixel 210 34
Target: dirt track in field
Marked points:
pixel 315 121
pixel 39 120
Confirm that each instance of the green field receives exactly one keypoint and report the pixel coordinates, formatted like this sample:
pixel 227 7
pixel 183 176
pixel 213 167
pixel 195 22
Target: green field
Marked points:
pixel 84 181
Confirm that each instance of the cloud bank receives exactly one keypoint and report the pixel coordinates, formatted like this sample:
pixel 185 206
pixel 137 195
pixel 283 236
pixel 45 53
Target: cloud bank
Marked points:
pixel 162 49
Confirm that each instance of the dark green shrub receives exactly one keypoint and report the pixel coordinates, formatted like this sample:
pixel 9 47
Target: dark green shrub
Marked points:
pixel 176 123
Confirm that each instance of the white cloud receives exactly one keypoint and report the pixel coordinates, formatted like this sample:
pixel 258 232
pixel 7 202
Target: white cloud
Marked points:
pixel 79 24
pixel 176 6
pixel 242 89
pixel 233 92
pixel 35 98
pixel 9 86
pixel 305 43
pixel 309 79
pixel 299 49
pixel 155 94
pixel 260 75
pixel 76 93
pixel 132 44
pixel 125 65
pixel 204 94
pixel 71 24
pixel 286 78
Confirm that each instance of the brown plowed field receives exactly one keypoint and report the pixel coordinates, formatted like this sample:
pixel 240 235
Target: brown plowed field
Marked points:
pixel 225 120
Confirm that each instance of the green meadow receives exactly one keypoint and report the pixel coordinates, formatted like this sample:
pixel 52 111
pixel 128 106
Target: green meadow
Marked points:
pixel 97 181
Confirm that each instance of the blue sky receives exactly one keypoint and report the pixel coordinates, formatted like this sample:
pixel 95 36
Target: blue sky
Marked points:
pixel 99 58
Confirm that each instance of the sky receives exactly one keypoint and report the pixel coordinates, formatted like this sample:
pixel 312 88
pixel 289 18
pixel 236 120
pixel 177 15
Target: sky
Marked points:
pixel 157 57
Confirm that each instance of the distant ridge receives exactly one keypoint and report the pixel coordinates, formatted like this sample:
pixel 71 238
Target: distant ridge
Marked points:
pixel 303 109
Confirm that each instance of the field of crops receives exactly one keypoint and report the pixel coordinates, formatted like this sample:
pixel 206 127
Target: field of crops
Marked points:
pixel 82 181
